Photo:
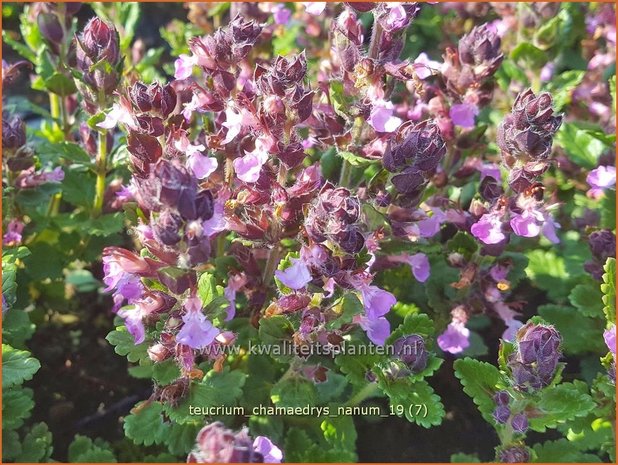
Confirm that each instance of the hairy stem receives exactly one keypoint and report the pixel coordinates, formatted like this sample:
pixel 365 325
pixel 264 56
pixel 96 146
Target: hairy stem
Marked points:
pixel 271 264
pixel 370 390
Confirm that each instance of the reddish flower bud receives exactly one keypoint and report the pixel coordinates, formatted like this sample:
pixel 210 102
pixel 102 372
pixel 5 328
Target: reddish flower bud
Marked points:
pixel 50 27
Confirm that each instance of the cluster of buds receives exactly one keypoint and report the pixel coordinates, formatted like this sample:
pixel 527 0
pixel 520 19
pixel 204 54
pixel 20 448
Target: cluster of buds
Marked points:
pixel 525 137
pixel 513 454
pixel 391 22
pixel 334 219
pixel 468 70
pixel 98 61
pixel 217 444
pixel 533 365
pixel 602 244
pixel 502 413
pixel 413 154
pixel 409 351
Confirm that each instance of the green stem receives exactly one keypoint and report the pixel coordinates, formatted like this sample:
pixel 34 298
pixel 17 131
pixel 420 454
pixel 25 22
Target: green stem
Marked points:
pixel 346 174
pixel 370 390
pixel 101 171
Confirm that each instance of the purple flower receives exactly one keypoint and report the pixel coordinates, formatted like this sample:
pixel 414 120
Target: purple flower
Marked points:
pixel 610 339
pixel 133 322
pixel 533 221
pixel 381 117
pixel 431 225
pixel 281 15
pixel 270 452
pixel 183 66
pixel 296 276
pixel 234 284
pixel 488 229
pixel 217 222
pixel 377 329
pixel 248 168
pixel 56 175
pixel 201 165
pixel 463 114
pixel 424 67
pixel 13 236
pixel 501 414
pixel 492 170
pixel 419 264
pixel 520 423
pixel 314 8
pixel 377 302
pixel 233 123
pixel 455 339
pixel 602 177
pixel 117 114
pixel 197 332
pixel 547 72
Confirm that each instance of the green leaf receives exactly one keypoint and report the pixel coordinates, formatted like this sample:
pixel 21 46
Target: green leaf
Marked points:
pixel 301 448
pixel 125 345
pixel 587 298
pixel 356 160
pixel 38 445
pixel 462 243
pixel 206 288
pixel 180 439
pixel 17 403
pixel 16 325
pixel 145 425
pixel 579 333
pixel 294 392
pixel 581 147
pixel 418 401
pixel 165 372
pixel 561 87
pixel 11 445
pixel 526 54
pixel 216 389
pixel 84 450
pixel 60 84
pixel 17 366
pixel 547 271
pixel 414 323
pixel 608 288
pixel 464 458
pixel 275 329
pixel 561 451
pixel 68 151
pixel 608 209
pixel 356 367
pixel 560 404
pixel 340 433
pixel 480 381
pixel 20 48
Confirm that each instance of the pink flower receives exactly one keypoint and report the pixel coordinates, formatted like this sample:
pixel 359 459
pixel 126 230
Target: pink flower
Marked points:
pixel 488 229
pixel 197 332
pixel 377 302
pixel 610 339
pixel 533 221
pixel 234 284
pixel 217 222
pixel 233 123
pixel 397 17
pixel 455 339
pixel 202 166
pixel 270 452
pixel 463 114
pixel 602 177
pixel 377 329
pixel 13 237
pixel 248 168
pixel 183 66
pixel 314 8
pixel 381 117
pixel 296 276
pixel 281 15
pixel 118 114
pixel 134 323
pixel 492 170
pixel 431 225
pixel 424 67
pixel 419 264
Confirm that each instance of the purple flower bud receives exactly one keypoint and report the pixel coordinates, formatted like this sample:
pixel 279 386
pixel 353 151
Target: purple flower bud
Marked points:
pixel 526 134
pixel 411 351
pixel 514 454
pixel 502 398
pixel 480 49
pixel 13 133
pixel 98 44
pixel 520 423
pixel 217 444
pixel 361 7
pixel 145 150
pixel 420 146
pixel 602 244
pixel 50 27
pixel 534 363
pixel 167 226
pixel 501 414
pixel 243 35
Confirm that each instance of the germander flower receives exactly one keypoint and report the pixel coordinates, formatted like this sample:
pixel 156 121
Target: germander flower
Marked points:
pixel 488 229
pixel 455 339
pixel 197 332
pixel 296 276
pixel 381 117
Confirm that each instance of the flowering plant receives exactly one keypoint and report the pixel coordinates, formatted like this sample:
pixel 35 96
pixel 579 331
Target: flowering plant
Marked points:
pixel 301 215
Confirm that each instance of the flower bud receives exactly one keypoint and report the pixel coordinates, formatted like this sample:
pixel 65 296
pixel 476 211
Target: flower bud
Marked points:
pixel 502 398
pixel 158 353
pixel 50 27
pixel 520 423
pixel 217 444
pixel 602 244
pixel 420 146
pixel 411 351
pixel 98 44
pixel 244 35
pixel 535 361
pixel 13 133
pixel 526 134
pixel 501 414
pixel 480 49
pixel 167 226
pixel 514 454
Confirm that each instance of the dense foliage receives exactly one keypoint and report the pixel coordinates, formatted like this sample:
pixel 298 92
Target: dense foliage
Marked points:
pixel 293 211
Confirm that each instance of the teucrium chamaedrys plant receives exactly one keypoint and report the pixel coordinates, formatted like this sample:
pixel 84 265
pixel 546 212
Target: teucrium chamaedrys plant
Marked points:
pixel 314 184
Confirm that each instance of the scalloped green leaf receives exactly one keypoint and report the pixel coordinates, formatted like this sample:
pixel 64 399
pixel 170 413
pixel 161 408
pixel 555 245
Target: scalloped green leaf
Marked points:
pixel 480 381
pixel 17 366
